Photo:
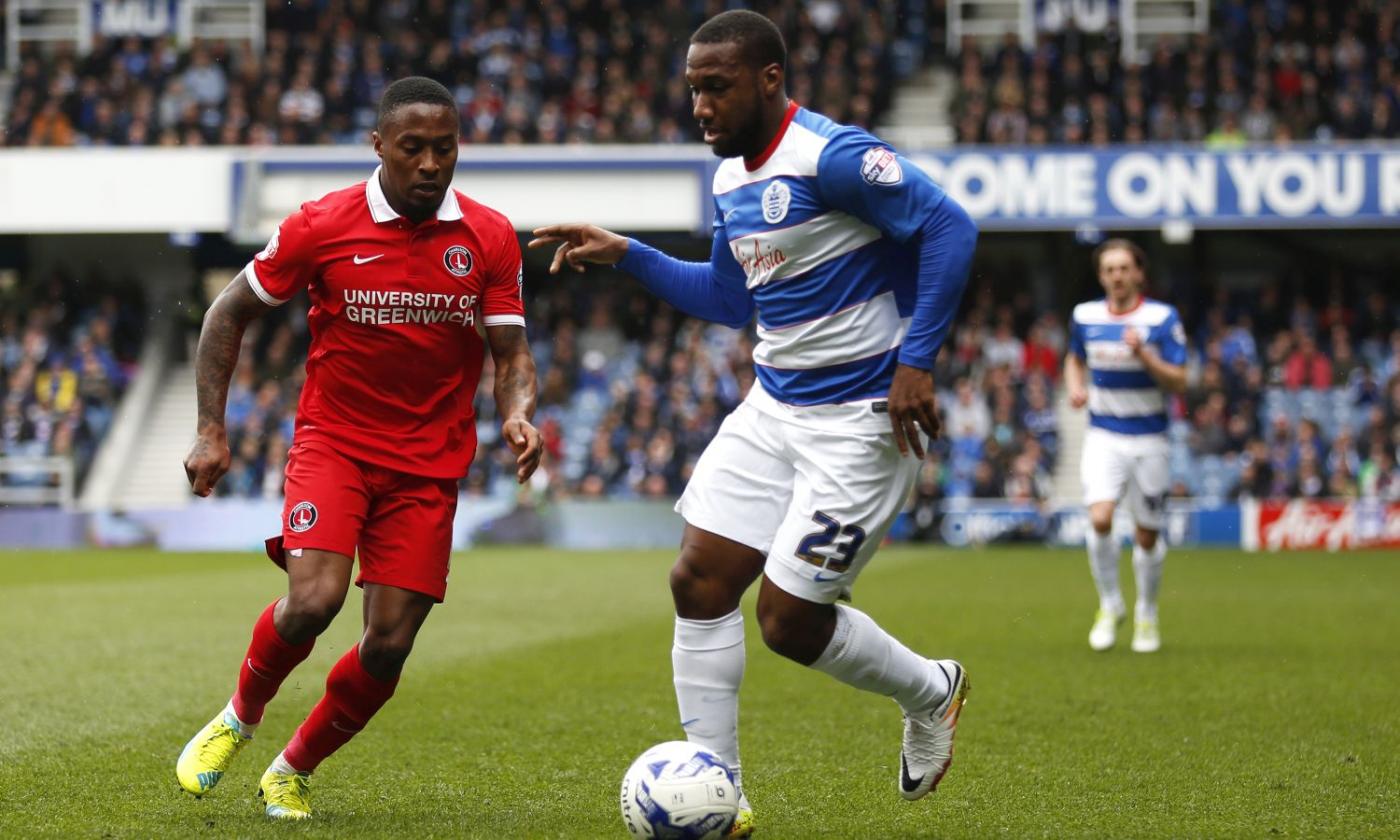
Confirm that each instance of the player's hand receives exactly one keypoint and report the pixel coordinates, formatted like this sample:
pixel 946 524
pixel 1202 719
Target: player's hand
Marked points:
pixel 1078 397
pixel 524 440
pixel 912 407
pixel 1133 338
pixel 208 460
pixel 579 244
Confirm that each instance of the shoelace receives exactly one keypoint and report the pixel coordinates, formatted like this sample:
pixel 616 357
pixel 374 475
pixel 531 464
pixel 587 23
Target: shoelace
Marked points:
pixel 923 750
pixel 296 786
pixel 217 747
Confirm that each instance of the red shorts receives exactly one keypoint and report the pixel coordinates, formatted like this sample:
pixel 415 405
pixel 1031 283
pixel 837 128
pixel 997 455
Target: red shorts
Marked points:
pixel 401 524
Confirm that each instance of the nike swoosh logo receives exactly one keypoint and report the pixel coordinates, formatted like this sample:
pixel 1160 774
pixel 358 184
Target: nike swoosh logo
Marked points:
pixel 820 578
pixel 909 784
pixel 686 723
pixel 255 671
pixel 336 724
pixel 362 260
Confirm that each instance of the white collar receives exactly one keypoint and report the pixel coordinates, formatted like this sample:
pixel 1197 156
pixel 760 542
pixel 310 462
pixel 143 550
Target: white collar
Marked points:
pixel 448 211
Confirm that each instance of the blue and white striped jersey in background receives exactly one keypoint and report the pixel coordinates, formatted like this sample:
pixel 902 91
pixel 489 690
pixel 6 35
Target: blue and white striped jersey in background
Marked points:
pixel 1123 397
pixel 819 231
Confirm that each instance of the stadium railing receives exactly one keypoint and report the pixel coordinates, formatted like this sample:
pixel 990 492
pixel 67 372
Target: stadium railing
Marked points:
pixel 29 480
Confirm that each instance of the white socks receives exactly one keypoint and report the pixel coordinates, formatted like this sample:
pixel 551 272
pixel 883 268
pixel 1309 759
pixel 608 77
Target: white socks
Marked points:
pixel 862 655
pixel 1103 563
pixel 707 661
pixel 244 729
pixel 280 765
pixel 1147 566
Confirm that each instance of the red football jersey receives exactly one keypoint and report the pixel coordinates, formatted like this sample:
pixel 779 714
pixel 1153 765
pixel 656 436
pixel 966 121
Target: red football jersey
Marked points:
pixel 395 352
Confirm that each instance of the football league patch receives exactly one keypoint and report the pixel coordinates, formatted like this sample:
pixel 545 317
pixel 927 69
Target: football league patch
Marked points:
pixel 270 250
pixel 880 167
pixel 776 199
pixel 302 517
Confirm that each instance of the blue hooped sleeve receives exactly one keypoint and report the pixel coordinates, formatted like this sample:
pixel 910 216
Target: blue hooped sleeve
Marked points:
pixel 1170 339
pixel 858 175
pixel 714 291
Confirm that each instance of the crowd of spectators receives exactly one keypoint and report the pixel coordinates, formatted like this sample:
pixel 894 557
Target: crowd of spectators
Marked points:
pixel 68 347
pixel 1263 72
pixel 1292 400
pixel 597 71
pixel 1286 398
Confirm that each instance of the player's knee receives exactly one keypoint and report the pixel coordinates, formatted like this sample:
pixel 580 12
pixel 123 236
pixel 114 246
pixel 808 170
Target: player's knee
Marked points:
pixel 698 594
pixel 1147 539
pixel 1101 521
pixel 308 611
pixel 383 652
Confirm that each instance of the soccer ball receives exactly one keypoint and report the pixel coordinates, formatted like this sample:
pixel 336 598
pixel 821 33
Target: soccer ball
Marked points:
pixel 679 791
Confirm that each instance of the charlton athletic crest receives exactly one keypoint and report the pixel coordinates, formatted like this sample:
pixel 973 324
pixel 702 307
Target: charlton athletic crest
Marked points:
pixel 458 260
pixel 775 202
pixel 302 517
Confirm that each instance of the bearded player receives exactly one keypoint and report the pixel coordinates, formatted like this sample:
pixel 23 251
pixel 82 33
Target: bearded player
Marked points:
pixel 402 272
pixel 854 262
pixel 1126 353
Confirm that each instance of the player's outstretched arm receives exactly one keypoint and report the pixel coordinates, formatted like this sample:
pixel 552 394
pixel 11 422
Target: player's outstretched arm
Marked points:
pixel 579 244
pixel 216 357
pixel 713 291
pixel 515 396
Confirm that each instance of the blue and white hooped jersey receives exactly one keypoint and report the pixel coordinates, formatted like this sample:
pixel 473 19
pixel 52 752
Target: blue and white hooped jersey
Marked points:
pixel 823 231
pixel 1123 397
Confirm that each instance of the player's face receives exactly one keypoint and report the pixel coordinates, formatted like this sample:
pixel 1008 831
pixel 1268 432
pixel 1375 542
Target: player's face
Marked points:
pixel 727 96
pixel 418 144
pixel 1119 274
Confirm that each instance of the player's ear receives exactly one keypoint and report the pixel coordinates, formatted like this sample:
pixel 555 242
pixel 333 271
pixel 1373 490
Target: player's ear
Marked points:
pixel 771 79
pixel 378 143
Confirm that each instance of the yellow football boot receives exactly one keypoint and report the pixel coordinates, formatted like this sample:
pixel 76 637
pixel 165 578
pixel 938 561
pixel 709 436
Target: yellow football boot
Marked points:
pixel 286 796
pixel 208 754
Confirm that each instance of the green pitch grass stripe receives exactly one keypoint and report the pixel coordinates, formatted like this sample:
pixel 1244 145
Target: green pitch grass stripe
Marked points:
pixel 1269 712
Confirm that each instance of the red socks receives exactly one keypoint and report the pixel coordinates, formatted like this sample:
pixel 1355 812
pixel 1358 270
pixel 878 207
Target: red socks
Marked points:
pixel 352 697
pixel 270 659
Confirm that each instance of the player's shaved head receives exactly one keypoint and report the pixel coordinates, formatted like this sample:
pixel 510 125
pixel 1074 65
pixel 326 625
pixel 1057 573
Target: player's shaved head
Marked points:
pixel 413 90
pixel 758 38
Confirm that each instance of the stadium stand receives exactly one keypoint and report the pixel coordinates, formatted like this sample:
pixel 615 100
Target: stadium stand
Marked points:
pixel 1264 72
pixel 598 72
pixel 68 348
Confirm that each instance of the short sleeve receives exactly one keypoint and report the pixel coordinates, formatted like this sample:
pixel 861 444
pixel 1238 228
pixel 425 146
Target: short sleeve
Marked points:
pixel 1076 338
pixel 1171 340
pixel 503 296
pixel 286 265
pixel 858 175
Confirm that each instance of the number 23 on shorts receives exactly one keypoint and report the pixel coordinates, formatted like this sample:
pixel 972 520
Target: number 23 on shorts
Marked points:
pixel 842 542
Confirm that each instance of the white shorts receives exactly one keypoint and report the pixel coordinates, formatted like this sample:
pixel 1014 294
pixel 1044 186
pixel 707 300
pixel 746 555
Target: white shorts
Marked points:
pixel 817 502
pixel 1137 466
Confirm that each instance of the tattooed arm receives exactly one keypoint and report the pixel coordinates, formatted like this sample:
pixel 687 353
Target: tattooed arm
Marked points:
pixel 515 395
pixel 214 361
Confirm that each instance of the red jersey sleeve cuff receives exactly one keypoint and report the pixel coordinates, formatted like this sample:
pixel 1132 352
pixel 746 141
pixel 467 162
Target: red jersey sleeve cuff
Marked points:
pixel 503 321
pixel 258 289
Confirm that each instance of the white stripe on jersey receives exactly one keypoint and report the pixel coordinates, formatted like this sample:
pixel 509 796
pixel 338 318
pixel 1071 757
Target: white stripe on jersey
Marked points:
pixel 859 332
pixel 1112 355
pixel 1094 312
pixel 796 157
pixel 1126 402
pixel 787 252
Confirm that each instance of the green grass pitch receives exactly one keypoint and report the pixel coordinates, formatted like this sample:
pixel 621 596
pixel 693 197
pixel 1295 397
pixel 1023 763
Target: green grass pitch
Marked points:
pixel 1271 710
